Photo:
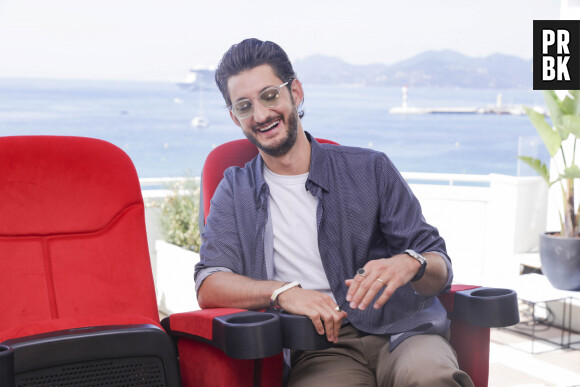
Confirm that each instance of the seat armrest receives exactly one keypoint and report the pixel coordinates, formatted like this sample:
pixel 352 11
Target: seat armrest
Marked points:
pixel 299 333
pixel 482 306
pixel 243 334
pixel 239 333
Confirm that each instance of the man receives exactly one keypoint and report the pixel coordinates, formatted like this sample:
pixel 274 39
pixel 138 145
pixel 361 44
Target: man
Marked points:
pixel 339 221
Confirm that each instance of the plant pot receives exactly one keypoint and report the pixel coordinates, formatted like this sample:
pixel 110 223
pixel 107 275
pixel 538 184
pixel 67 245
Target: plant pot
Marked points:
pixel 560 259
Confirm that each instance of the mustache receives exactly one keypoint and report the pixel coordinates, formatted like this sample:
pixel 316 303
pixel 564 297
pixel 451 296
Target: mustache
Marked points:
pixel 267 122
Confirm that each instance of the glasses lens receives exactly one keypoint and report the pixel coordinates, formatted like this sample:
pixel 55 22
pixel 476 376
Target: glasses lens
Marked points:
pixel 270 96
pixel 243 108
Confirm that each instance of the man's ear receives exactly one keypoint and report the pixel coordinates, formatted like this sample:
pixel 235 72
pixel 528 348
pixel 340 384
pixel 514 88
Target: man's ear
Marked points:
pixel 235 119
pixel 297 91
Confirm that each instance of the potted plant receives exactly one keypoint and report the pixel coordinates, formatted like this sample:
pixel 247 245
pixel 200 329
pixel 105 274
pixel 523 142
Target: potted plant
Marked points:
pixel 178 253
pixel 560 251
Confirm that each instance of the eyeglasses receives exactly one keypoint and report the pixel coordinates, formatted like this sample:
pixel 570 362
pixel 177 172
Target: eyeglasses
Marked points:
pixel 269 98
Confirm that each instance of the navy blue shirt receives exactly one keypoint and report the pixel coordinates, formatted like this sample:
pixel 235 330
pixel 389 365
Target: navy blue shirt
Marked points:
pixel 365 211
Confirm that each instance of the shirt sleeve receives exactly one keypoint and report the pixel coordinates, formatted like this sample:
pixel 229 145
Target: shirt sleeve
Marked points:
pixel 220 249
pixel 447 286
pixel 401 219
pixel 204 273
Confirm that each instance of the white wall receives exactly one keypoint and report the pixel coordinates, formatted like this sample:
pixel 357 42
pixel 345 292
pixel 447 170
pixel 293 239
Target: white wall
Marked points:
pixel 487 229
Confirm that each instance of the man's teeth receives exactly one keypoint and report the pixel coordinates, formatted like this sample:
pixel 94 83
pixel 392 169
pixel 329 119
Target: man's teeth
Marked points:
pixel 269 126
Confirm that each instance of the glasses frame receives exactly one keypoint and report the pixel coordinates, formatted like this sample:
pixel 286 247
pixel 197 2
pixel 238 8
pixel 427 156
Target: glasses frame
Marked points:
pixel 231 107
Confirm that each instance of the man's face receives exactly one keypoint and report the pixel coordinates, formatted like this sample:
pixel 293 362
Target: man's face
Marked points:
pixel 273 130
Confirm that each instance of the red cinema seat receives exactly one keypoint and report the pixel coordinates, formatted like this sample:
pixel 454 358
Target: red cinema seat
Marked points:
pixel 78 301
pixel 472 309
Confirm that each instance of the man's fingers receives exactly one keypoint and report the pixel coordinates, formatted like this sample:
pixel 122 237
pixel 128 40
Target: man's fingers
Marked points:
pixel 329 327
pixel 317 322
pixel 364 294
pixel 384 297
pixel 353 285
pixel 359 287
pixel 327 319
pixel 373 289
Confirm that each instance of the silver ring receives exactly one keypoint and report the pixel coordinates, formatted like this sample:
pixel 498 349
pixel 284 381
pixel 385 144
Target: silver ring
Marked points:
pixel 381 280
pixel 361 272
pixel 338 308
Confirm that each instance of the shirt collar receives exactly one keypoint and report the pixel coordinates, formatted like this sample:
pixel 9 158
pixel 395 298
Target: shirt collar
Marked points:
pixel 318 167
pixel 318 164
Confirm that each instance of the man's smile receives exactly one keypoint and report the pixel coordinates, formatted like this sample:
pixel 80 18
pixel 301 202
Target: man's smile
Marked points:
pixel 268 127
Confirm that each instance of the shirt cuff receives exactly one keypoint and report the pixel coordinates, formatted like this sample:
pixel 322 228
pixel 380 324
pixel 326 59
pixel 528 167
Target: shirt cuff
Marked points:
pixel 204 273
pixel 449 270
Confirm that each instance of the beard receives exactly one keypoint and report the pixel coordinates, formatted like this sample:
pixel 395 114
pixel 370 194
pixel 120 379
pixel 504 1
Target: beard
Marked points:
pixel 283 147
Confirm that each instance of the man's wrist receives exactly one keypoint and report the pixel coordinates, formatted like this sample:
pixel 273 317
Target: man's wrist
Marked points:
pixel 276 293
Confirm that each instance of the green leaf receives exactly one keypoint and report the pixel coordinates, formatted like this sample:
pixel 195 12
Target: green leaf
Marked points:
pixel 571 124
pixel 572 172
pixel 550 137
pixel 571 103
pixel 537 165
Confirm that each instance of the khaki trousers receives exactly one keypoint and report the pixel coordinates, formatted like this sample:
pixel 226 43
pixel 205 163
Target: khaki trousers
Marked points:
pixel 358 360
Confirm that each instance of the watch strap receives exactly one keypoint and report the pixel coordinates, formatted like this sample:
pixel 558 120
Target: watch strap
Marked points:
pixel 415 255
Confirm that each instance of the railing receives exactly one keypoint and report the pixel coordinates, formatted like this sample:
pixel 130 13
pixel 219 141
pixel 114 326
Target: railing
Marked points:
pixel 416 177
pixel 164 182
pixel 155 188
pixel 449 178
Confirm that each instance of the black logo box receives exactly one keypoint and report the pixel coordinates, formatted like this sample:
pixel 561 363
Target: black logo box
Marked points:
pixel 573 64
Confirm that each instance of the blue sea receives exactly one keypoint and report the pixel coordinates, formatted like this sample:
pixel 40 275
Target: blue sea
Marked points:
pixel 151 122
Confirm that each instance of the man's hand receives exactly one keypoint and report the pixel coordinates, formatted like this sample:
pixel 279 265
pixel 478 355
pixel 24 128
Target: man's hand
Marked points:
pixel 229 290
pixel 319 307
pixel 387 275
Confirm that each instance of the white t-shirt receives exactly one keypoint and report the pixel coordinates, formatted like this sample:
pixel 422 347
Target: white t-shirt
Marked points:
pixel 293 212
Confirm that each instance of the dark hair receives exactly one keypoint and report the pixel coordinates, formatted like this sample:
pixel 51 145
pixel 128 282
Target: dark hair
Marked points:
pixel 250 53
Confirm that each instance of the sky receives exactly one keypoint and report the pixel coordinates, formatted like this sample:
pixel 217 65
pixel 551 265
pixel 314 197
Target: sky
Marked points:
pixel 160 40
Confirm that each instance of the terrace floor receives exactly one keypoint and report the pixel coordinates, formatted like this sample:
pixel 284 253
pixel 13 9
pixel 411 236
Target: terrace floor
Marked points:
pixel 513 364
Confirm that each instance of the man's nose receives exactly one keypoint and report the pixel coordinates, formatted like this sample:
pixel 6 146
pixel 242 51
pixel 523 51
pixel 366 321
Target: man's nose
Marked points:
pixel 261 112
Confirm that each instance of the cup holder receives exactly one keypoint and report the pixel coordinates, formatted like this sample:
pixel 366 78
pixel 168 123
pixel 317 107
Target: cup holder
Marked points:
pixel 491 292
pixel 248 335
pixel 299 333
pixel 254 318
pixel 487 307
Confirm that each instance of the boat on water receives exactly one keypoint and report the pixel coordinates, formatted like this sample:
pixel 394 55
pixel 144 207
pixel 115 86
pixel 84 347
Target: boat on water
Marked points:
pixel 197 80
pixel 200 122
pixel 498 108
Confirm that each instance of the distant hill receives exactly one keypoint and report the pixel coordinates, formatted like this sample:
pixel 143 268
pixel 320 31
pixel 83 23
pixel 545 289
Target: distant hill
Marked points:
pixel 429 69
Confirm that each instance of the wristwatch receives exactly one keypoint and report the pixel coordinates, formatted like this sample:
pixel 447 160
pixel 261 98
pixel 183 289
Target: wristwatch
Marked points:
pixel 419 259
pixel 280 290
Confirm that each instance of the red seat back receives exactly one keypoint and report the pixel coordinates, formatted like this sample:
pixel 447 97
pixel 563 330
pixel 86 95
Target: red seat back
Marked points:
pixel 73 246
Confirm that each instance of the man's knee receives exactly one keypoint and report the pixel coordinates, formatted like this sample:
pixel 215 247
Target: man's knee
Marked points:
pixel 422 360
